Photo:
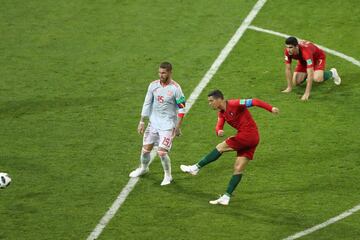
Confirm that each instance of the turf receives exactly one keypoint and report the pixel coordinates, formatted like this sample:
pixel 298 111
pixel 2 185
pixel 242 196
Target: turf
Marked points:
pixel 73 78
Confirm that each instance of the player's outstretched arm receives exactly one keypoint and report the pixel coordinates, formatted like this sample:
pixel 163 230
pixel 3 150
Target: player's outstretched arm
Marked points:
pixel 259 103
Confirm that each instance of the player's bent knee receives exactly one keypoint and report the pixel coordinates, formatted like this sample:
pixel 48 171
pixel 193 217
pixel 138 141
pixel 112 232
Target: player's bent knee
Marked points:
pixel 318 79
pixel 161 153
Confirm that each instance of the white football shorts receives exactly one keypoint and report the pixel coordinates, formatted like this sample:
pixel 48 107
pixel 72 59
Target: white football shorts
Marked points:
pixel 161 138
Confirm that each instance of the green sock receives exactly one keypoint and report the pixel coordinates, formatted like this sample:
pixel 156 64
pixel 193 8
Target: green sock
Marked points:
pixel 212 156
pixel 234 181
pixel 327 75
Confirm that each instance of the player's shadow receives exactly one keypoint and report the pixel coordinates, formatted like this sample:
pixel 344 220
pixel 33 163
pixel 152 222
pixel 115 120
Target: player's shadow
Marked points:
pixel 181 185
pixel 18 108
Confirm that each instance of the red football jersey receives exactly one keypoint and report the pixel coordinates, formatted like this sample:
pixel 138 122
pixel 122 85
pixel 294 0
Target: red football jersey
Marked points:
pixel 308 55
pixel 237 115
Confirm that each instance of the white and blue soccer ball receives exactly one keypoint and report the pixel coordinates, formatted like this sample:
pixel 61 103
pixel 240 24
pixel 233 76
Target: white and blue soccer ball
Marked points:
pixel 5 180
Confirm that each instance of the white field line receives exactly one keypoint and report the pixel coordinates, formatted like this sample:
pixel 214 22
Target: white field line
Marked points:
pixel 328 50
pixel 192 99
pixel 116 204
pixel 324 224
pixel 224 53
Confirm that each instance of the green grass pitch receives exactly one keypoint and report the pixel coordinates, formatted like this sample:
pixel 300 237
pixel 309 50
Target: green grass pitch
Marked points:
pixel 73 76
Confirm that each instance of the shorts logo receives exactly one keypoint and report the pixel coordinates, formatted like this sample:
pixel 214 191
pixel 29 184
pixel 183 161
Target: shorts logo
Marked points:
pixel 309 62
pixel 286 58
pixel 242 101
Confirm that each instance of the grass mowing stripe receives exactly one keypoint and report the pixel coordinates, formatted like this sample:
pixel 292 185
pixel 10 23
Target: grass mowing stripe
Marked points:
pixel 192 99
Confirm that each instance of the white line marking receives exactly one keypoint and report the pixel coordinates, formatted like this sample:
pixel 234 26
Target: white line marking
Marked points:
pixel 117 204
pixel 328 50
pixel 192 99
pixel 224 53
pixel 324 224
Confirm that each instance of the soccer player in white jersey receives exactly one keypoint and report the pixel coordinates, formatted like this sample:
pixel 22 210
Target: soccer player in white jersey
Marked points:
pixel 164 105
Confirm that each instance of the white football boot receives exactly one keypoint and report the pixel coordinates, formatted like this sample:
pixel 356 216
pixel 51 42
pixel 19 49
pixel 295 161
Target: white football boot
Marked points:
pixel 192 169
pixel 138 172
pixel 222 200
pixel 167 180
pixel 337 79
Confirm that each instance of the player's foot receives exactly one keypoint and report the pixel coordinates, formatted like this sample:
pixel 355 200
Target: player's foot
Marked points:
pixel 167 180
pixel 192 169
pixel 222 200
pixel 138 172
pixel 337 79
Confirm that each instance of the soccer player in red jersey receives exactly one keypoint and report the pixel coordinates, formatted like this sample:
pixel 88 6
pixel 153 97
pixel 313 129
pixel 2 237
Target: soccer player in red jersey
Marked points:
pixel 310 65
pixel 236 114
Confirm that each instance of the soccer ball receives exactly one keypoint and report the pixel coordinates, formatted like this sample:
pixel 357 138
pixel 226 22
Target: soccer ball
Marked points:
pixel 5 180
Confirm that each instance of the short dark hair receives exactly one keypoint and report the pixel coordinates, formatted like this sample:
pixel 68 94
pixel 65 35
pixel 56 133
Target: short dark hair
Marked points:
pixel 166 65
pixel 291 41
pixel 216 94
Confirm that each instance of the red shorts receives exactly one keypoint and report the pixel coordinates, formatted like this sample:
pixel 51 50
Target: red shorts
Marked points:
pixel 244 143
pixel 319 65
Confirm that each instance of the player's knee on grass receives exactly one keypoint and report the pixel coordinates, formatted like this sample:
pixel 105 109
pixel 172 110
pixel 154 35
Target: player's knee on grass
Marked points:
pixel 318 76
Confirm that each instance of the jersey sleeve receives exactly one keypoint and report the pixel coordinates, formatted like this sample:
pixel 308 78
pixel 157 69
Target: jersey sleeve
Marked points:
pixel 220 123
pixel 308 57
pixel 149 98
pixel 255 102
pixel 180 101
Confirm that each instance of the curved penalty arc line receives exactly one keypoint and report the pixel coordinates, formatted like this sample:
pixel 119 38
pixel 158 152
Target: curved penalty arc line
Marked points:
pixel 328 50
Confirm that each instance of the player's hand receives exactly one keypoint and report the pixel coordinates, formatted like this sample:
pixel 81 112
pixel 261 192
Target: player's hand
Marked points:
pixel 305 97
pixel 275 110
pixel 177 132
pixel 141 128
pixel 220 133
pixel 287 90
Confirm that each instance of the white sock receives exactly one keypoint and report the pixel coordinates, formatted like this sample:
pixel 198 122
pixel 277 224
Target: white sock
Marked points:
pixel 166 163
pixel 144 159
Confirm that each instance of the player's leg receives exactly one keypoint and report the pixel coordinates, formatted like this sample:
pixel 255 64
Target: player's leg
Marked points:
pixel 299 75
pixel 245 152
pixel 210 157
pixel 320 74
pixel 299 78
pixel 165 144
pixel 149 139
pixel 239 166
